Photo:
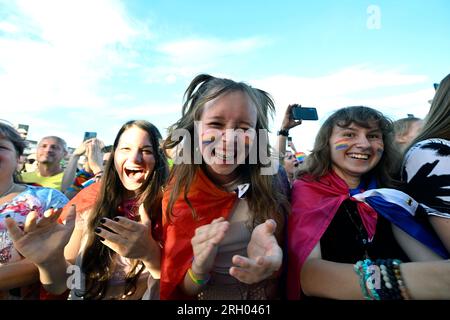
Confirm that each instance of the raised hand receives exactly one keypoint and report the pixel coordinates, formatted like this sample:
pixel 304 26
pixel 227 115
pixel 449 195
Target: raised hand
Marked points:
pixel 131 239
pixel 94 155
pixel 204 244
pixel 264 255
pixel 288 121
pixel 42 241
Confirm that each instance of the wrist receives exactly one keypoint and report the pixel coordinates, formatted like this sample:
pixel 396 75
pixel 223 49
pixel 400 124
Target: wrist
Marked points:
pixel 283 132
pixel 198 278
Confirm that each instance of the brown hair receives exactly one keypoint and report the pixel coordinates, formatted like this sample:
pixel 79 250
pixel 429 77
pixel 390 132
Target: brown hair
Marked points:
pixel 11 134
pixel 265 198
pixel 437 122
pixel 318 163
pixel 98 258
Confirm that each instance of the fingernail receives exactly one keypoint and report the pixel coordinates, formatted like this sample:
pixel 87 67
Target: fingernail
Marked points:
pixel 102 220
pixel 98 230
pixel 116 219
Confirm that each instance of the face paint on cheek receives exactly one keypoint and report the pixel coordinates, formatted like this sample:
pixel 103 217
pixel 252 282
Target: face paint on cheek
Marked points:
pixel 208 139
pixel 380 151
pixel 300 156
pixel 341 144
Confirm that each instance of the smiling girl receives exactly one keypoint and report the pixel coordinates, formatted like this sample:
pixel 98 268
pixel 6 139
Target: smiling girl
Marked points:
pixel 223 218
pixel 340 235
pixel 115 244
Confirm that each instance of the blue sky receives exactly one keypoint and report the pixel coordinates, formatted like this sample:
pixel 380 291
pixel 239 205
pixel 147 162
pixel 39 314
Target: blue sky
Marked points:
pixel 72 66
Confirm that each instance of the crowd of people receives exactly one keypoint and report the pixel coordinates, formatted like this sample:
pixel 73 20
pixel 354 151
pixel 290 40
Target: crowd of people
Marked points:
pixel 213 212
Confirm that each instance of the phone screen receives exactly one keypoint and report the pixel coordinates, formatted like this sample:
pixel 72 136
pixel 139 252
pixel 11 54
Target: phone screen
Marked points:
pixel 89 135
pixel 300 113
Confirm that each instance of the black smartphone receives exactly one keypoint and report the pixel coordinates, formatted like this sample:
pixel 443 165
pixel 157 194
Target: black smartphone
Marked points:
pixel 89 135
pixel 289 139
pixel 300 113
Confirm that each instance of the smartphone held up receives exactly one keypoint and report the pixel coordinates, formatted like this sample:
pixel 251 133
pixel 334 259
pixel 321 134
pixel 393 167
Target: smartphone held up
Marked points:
pixel 89 135
pixel 301 113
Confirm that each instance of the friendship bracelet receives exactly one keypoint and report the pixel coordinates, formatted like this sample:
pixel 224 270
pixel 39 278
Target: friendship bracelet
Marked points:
pixel 197 281
pixel 358 267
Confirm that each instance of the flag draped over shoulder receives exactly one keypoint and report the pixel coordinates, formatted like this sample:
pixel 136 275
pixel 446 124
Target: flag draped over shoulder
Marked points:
pixel 209 203
pixel 84 200
pixel 315 203
pixel 399 209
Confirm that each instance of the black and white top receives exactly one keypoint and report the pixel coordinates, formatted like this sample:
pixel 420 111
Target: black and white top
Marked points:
pixel 426 170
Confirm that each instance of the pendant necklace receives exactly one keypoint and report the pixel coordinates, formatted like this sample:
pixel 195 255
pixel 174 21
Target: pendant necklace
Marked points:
pixel 362 234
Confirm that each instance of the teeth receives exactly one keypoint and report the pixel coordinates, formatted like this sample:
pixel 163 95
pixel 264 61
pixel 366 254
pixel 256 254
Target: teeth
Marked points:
pixel 224 156
pixel 359 156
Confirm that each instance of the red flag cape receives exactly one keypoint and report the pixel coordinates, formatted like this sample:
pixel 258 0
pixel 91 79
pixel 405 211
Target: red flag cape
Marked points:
pixel 85 199
pixel 314 204
pixel 210 203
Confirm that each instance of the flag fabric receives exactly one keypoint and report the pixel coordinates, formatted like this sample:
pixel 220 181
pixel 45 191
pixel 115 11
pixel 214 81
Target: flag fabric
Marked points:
pixel 315 203
pixel 209 203
pixel 399 208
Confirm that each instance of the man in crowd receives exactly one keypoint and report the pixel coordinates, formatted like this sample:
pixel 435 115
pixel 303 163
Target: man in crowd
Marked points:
pixel 50 151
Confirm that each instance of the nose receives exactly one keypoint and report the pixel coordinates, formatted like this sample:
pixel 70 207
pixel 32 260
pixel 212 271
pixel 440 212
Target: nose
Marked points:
pixel 136 156
pixel 362 141
pixel 228 138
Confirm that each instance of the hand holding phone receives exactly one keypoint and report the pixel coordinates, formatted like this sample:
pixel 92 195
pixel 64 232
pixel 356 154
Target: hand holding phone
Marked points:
pixel 89 135
pixel 301 113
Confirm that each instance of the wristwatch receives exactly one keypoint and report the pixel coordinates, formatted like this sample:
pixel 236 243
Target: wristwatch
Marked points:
pixel 283 132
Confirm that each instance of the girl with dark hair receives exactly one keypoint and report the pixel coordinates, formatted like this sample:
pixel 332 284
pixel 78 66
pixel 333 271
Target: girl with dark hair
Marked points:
pixel 341 241
pixel 116 238
pixel 18 276
pixel 223 214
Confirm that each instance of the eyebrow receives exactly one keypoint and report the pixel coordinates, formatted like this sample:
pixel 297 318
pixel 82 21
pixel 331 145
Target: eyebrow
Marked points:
pixel 353 129
pixel 131 143
pixel 221 118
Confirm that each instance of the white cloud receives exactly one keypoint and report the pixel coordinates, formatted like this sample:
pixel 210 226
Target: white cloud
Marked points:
pixel 8 27
pixel 61 51
pixel 183 58
pixel 197 50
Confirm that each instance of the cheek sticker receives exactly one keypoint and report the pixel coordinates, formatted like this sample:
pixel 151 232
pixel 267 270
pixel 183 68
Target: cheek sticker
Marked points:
pixel 341 144
pixel 209 136
pixel 300 156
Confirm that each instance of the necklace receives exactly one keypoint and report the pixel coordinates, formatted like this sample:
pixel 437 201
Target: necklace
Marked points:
pixel 362 236
pixel 8 191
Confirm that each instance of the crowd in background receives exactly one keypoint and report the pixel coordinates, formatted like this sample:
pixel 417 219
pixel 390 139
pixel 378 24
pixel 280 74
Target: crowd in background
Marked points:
pixel 364 215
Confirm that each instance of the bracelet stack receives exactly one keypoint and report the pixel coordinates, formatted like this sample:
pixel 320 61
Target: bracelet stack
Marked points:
pixel 381 279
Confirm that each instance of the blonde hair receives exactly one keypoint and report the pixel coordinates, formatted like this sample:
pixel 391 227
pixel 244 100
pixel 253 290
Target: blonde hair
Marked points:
pixel 437 121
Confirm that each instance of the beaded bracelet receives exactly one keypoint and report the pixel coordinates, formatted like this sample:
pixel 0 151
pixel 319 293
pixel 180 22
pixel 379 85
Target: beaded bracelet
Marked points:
pixel 197 281
pixel 389 290
pixel 401 283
